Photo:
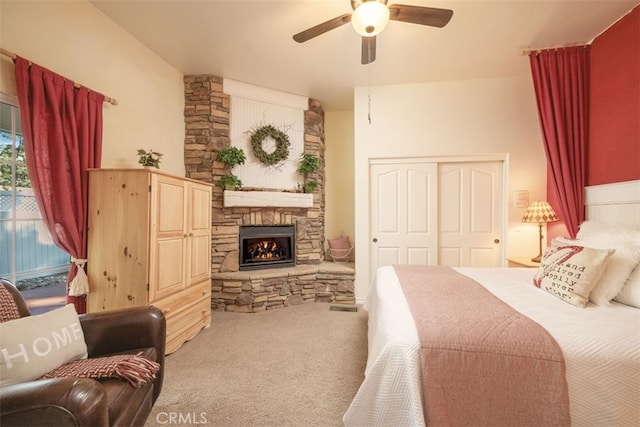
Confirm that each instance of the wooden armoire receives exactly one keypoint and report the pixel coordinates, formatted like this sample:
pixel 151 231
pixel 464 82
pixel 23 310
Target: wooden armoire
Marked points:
pixel 149 243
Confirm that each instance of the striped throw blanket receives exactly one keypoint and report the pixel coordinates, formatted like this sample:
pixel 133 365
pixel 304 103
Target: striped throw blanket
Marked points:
pixel 131 367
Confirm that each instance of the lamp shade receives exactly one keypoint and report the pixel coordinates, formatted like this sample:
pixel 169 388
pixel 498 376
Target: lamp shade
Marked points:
pixel 370 18
pixel 540 212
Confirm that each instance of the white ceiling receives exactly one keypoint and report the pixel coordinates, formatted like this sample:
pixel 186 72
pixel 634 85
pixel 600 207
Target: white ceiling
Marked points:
pixel 251 41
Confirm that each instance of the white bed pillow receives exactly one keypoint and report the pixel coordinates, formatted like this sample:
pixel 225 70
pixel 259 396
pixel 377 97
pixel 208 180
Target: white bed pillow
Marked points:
pixel 570 271
pixel 626 243
pixel 34 345
pixel 630 293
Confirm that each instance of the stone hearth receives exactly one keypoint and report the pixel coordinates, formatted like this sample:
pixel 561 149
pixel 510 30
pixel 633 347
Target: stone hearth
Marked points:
pixel 260 290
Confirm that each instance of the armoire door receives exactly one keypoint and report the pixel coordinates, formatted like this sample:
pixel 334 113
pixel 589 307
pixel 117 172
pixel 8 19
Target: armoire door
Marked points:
pixel 168 224
pixel 199 234
pixel 436 213
pixel 404 227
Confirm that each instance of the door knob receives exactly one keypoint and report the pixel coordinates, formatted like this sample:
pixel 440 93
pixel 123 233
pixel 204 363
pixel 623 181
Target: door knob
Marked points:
pixel 375 240
pixel 496 241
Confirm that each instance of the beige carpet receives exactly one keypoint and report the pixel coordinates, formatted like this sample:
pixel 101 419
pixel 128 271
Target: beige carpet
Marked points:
pixel 296 366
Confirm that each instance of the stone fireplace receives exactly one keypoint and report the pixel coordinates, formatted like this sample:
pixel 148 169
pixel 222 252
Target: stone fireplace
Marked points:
pixel 245 288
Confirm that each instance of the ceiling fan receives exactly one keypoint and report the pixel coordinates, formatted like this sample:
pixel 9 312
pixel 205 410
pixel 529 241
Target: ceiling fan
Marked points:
pixel 370 17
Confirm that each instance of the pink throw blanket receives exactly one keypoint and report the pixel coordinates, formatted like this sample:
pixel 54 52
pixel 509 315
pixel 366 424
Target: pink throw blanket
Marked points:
pixel 483 363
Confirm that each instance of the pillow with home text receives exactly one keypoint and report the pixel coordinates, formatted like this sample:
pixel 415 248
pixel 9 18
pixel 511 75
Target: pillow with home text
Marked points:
pixel 570 271
pixel 34 345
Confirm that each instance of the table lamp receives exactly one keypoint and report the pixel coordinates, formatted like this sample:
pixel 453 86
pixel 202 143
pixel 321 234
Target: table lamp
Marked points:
pixel 540 213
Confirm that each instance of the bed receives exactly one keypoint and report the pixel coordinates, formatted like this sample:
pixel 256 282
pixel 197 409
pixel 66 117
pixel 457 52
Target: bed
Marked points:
pixel 599 343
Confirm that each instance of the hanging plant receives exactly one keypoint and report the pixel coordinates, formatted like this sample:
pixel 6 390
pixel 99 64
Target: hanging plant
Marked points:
pixel 230 182
pixel 280 154
pixel 308 164
pixel 231 156
pixel 308 187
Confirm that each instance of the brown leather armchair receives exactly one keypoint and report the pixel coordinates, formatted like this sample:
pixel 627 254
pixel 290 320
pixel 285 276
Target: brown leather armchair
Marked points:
pixel 89 402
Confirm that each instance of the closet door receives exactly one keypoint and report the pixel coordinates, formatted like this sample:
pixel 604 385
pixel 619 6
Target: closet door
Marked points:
pixel 403 214
pixel 471 211
pixel 436 213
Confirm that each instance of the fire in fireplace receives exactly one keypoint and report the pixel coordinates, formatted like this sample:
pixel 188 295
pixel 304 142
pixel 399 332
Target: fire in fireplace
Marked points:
pixel 270 246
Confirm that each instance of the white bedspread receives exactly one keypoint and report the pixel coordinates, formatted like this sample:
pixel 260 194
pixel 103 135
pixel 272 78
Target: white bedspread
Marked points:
pixel 601 346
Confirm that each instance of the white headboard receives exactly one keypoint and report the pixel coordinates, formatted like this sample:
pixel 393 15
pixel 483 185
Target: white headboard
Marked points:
pixel 617 203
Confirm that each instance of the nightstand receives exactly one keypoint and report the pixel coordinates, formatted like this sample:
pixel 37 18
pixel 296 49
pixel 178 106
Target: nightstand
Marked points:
pixel 522 262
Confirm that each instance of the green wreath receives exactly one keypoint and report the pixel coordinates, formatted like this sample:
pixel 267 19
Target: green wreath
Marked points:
pixel 280 154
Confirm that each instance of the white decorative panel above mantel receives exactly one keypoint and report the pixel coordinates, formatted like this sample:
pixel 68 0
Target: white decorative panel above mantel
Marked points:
pixel 253 107
pixel 264 199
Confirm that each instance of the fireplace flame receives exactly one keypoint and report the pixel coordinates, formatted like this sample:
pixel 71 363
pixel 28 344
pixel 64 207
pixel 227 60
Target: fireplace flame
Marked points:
pixel 266 250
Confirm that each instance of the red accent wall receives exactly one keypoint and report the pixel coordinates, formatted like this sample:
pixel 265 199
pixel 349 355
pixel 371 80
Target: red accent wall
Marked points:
pixel 613 145
pixel 613 150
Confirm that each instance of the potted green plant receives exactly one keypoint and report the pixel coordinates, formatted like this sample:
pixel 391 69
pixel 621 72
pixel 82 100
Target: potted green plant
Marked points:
pixel 149 158
pixel 308 164
pixel 231 156
pixel 230 182
pixel 308 186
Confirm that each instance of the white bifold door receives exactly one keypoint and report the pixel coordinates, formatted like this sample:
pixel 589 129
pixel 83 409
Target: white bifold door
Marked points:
pixel 437 213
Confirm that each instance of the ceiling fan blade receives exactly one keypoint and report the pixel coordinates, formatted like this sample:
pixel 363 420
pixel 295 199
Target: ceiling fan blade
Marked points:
pixel 368 50
pixel 420 15
pixel 316 30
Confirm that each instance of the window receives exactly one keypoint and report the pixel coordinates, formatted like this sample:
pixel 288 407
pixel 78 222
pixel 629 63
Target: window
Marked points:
pixel 26 248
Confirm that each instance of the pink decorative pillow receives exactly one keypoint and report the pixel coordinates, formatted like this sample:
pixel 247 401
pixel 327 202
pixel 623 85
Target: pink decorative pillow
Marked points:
pixel 570 271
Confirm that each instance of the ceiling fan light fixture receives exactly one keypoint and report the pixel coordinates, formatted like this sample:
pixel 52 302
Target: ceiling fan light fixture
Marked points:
pixel 370 18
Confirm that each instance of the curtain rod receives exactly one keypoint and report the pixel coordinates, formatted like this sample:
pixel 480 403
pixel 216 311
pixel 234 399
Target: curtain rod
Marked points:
pixel 526 52
pixel 12 55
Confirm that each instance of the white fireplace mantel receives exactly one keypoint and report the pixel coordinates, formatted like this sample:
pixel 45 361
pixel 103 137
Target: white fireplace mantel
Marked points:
pixel 273 199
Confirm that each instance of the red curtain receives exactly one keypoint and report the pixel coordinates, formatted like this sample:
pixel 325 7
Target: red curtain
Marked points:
pixel 561 82
pixel 62 127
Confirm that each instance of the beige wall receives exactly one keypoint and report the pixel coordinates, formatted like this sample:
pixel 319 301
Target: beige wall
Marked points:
pixel 451 118
pixel 74 39
pixel 339 190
